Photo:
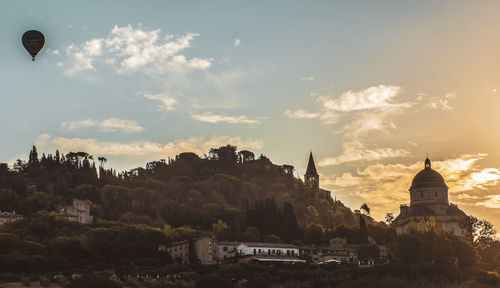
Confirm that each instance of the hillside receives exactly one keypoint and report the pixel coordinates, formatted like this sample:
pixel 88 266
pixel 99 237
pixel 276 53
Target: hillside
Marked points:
pixel 186 191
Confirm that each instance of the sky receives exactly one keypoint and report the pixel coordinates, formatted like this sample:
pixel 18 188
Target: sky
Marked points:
pixel 370 87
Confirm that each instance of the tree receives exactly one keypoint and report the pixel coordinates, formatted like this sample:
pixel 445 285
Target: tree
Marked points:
pixel 225 154
pixel 363 234
pixel 314 233
pixel 483 233
pixel 220 230
pixel 101 160
pixel 245 156
pixel 364 207
pixel 33 157
pixel 389 217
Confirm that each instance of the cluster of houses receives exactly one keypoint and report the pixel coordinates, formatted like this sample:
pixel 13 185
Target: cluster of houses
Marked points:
pixel 7 217
pixel 206 250
pixel 78 212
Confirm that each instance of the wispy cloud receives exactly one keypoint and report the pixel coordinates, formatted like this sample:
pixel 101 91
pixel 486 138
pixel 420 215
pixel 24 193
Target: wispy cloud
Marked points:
pixel 492 202
pixel 356 151
pixel 361 112
pixel 130 49
pixel 442 103
pixel 308 78
pixel 107 125
pixel 373 97
pixel 301 114
pixel 215 118
pixel 166 101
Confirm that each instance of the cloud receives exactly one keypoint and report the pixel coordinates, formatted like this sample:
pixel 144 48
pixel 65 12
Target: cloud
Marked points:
pixel 214 118
pixel 301 114
pixel 309 78
pixel 492 202
pixel 373 107
pixel 166 101
pixel 369 98
pixel 237 42
pixel 107 125
pixel 356 151
pixel 134 50
pixel 442 103
pixel 413 143
pixel 139 152
pixel 364 111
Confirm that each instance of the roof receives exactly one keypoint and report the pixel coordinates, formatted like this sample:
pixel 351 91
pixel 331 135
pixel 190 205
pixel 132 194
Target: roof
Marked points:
pixel 311 168
pixel 269 245
pixel 428 178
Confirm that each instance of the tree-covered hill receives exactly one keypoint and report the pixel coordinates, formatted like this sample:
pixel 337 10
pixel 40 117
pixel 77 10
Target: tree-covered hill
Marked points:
pixel 245 195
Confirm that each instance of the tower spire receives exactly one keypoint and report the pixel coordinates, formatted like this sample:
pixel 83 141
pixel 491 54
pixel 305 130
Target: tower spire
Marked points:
pixel 311 176
pixel 427 162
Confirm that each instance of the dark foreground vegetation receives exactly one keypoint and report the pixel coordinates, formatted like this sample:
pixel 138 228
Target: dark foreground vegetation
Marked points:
pixel 233 196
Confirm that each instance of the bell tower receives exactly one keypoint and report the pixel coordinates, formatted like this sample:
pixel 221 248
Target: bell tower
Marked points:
pixel 311 177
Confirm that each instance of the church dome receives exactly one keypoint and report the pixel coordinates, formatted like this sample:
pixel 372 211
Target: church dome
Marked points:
pixel 428 178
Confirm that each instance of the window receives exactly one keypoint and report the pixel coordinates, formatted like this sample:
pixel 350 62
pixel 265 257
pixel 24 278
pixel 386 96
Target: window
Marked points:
pixel 224 249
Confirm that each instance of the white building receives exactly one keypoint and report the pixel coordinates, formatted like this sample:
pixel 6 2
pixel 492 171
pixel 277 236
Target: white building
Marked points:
pixel 256 251
pixel 271 249
pixel 429 200
pixel 8 217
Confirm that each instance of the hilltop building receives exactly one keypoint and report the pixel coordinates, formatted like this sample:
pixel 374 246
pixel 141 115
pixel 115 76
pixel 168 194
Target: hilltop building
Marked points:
pixel 429 199
pixel 311 177
pixel 78 212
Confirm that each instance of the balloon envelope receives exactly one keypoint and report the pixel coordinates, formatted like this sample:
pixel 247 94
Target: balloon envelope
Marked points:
pixel 33 41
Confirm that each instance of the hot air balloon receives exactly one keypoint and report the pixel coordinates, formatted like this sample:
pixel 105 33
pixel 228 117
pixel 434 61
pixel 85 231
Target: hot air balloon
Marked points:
pixel 33 41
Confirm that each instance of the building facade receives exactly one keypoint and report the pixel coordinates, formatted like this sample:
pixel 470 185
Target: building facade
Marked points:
pixel 8 217
pixel 429 202
pixel 338 251
pixel 179 251
pixel 78 212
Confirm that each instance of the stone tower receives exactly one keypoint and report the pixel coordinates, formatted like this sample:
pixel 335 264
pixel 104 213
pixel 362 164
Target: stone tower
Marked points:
pixel 311 177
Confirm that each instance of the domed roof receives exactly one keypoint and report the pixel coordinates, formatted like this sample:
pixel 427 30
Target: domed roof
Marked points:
pixel 428 177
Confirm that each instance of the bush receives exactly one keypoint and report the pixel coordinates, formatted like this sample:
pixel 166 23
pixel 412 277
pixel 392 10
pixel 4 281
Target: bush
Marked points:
pixel 212 280
pixel 44 281
pixel 93 281
pixel 489 278
pixel 26 281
